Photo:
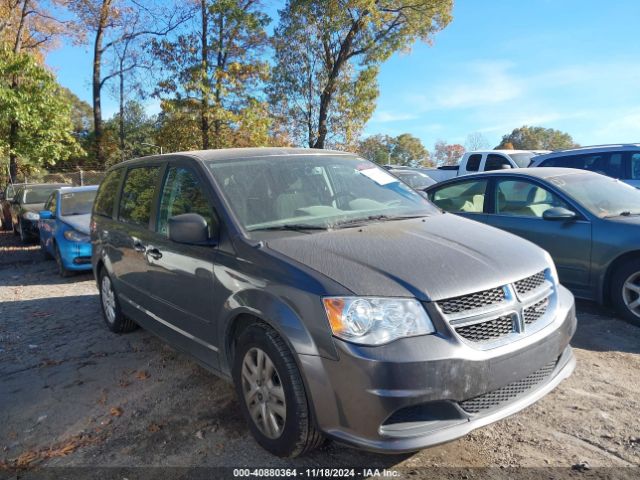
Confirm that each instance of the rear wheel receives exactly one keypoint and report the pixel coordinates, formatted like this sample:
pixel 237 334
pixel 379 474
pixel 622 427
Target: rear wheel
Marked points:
pixel 271 393
pixel 113 316
pixel 625 292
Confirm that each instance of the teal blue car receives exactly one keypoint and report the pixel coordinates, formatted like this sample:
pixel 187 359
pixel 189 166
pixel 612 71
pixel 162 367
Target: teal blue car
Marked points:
pixel 64 228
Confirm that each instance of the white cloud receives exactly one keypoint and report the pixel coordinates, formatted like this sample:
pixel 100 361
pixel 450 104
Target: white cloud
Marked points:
pixel 384 116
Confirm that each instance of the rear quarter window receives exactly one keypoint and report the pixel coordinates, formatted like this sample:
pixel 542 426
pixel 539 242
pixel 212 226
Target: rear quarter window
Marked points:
pixel 107 193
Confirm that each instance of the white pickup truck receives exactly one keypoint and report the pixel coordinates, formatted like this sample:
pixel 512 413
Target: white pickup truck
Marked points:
pixel 484 161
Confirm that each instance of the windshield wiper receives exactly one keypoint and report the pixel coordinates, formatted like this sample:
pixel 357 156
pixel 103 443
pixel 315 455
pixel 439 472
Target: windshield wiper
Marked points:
pixel 291 226
pixel 373 218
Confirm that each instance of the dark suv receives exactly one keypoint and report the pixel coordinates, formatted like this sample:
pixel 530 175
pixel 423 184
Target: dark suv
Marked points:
pixel 339 301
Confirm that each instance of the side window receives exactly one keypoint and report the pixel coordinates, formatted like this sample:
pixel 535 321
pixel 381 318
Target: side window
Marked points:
pixel 107 193
pixel 473 162
pixel 524 199
pixel 495 162
pixel 137 195
pixel 183 193
pixel 51 203
pixel 466 197
pixel 568 161
pixel 635 166
pixel 615 166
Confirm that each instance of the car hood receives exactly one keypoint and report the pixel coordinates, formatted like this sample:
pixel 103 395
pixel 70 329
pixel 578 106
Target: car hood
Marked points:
pixel 78 222
pixel 433 258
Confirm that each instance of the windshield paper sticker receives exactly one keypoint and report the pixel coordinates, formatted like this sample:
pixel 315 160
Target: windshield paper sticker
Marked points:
pixel 379 176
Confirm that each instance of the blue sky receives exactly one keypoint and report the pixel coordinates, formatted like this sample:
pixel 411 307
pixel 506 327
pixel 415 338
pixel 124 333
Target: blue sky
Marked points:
pixel 573 65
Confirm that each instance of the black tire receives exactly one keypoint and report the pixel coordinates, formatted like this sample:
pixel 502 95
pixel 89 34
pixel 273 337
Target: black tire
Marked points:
pixel 63 272
pixel 119 323
pixel 45 253
pixel 15 229
pixel 621 296
pixel 299 434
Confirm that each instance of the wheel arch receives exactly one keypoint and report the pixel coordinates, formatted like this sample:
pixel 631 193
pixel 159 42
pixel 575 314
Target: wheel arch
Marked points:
pixel 605 286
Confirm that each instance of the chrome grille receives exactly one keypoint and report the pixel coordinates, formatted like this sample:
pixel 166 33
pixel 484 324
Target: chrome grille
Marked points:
pixel 509 392
pixel 490 330
pixel 529 284
pixel 534 312
pixel 472 301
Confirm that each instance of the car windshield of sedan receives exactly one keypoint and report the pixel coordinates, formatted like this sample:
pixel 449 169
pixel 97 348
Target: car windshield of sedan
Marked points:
pixel 603 196
pixel 77 203
pixel 38 194
pixel 415 180
pixel 523 159
pixel 315 192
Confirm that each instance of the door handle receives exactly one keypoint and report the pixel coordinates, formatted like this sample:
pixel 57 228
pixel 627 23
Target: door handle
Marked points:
pixel 139 247
pixel 154 253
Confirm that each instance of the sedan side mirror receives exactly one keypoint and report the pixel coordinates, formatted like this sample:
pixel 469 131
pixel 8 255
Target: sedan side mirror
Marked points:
pixel 506 166
pixel 46 215
pixel 559 213
pixel 189 228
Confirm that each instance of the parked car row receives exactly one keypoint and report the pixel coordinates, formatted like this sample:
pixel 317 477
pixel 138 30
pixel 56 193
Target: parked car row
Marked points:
pixel 349 301
pixel 57 216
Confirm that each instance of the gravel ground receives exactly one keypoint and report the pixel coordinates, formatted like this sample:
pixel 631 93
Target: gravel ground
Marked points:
pixel 72 394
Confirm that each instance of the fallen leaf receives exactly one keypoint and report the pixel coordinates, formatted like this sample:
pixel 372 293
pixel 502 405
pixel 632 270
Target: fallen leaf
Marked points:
pixel 142 375
pixel 116 411
pixel 154 427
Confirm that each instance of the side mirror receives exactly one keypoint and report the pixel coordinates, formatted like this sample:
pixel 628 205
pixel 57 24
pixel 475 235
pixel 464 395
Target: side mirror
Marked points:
pixel 189 228
pixel 559 213
pixel 506 166
pixel 46 215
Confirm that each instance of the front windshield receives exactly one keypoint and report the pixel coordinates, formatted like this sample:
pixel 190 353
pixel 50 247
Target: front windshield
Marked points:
pixel 602 196
pixel 320 191
pixel 523 160
pixel 77 203
pixel 38 194
pixel 415 180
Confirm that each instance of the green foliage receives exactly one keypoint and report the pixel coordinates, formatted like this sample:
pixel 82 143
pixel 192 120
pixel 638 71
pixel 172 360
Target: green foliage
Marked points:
pixel 536 138
pixel 31 100
pixel 405 149
pixel 323 49
pixel 139 128
pixel 219 81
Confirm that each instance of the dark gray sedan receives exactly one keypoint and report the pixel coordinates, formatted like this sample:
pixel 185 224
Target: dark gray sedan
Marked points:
pixel 589 223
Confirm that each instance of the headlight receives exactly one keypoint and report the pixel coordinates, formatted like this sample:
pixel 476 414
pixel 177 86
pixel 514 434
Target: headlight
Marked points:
pixel 374 321
pixel 75 236
pixel 31 215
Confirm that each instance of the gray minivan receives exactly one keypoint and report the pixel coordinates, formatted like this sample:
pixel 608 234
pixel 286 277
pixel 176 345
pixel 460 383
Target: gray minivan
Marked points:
pixel 339 301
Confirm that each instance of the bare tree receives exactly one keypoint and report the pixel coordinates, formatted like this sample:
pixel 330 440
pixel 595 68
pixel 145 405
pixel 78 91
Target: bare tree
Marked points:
pixel 476 141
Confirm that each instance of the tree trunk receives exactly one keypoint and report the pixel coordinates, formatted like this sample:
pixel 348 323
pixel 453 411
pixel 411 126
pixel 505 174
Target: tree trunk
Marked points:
pixel 220 65
pixel 204 102
pixel 97 81
pixel 121 125
pixel 13 125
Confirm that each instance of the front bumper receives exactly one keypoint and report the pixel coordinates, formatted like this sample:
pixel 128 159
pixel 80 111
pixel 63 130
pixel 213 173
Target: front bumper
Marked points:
pixel 414 393
pixel 75 255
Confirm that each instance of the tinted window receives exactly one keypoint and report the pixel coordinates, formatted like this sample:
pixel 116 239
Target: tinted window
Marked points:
pixel 605 163
pixel 76 203
pixel 635 166
pixel 523 160
pixel 466 196
pixel 107 193
pixel 38 194
pixel 495 162
pixel 183 193
pixel 524 199
pixel 137 195
pixel 473 162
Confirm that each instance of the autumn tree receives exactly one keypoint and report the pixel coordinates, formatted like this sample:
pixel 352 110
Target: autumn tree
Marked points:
pixel 35 119
pixel 405 149
pixel 108 24
pixel 216 69
pixel 376 148
pixel 537 138
pixel 135 127
pixel 447 154
pixel 327 58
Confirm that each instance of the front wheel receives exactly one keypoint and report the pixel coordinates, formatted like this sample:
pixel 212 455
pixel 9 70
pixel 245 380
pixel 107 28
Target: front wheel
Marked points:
pixel 271 393
pixel 625 292
pixel 62 271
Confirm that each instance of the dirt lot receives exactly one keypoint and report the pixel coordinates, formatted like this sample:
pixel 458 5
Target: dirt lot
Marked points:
pixel 73 394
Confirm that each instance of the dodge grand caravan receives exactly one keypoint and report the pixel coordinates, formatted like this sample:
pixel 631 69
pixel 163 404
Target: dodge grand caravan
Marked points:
pixel 340 302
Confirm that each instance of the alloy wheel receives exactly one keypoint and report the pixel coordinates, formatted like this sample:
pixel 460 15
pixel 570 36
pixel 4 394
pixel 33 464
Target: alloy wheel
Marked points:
pixel 631 293
pixel 263 393
pixel 108 299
